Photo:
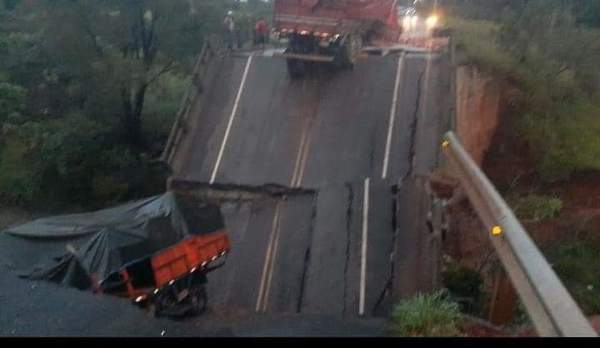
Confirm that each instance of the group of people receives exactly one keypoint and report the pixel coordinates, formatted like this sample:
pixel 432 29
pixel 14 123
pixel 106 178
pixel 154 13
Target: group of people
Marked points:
pixel 232 38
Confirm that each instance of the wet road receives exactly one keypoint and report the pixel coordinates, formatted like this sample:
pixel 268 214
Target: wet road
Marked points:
pixel 306 174
pixel 328 128
pixel 347 139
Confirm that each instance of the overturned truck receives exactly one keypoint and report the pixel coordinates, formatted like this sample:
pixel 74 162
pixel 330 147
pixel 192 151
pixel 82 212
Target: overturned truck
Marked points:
pixel 156 252
pixel 332 31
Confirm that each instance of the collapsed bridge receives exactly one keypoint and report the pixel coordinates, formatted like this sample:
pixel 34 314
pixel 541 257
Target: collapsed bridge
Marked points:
pixel 341 147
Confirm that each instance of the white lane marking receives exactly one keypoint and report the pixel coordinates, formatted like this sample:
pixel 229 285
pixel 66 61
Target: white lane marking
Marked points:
pixel 267 268
pixel 388 146
pixel 363 260
pixel 231 119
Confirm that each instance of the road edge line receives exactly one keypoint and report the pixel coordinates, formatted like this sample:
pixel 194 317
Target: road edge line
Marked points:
pixel 231 119
pixel 388 145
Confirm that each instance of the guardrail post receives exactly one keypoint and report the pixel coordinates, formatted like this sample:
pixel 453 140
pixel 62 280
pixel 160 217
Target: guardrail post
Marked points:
pixel 503 304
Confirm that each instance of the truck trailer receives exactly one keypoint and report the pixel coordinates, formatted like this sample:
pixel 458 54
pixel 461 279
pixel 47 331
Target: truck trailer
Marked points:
pixel 332 31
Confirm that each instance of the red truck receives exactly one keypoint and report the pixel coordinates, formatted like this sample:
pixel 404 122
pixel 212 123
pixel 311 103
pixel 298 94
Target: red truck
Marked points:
pixel 332 31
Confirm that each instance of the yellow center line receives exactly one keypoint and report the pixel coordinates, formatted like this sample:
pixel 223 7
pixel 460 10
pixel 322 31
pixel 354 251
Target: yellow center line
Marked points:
pixel 269 259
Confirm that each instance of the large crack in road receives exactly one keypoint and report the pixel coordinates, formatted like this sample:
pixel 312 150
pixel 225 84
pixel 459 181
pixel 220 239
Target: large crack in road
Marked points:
pixel 316 207
pixel 321 134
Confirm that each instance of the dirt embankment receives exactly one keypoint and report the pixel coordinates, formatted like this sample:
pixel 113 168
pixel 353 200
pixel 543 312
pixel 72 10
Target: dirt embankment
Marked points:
pixel 486 125
pixel 481 101
pixel 477 110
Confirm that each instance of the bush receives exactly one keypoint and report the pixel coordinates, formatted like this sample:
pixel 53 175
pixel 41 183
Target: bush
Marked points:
pixel 162 105
pixel 71 160
pixel 560 117
pixel 536 208
pixel 19 184
pixel 12 100
pixel 577 263
pixel 478 41
pixel 430 315
pixel 565 143
pixel 464 285
pixel 109 188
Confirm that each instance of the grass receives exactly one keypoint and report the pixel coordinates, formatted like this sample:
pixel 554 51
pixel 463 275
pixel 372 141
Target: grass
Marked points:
pixel 478 41
pixel 431 315
pixel 577 263
pixel 464 285
pixel 536 207
pixel 566 143
pixel 558 119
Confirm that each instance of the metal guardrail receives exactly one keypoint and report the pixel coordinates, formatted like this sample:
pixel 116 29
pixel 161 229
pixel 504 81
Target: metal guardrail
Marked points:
pixel 551 308
pixel 181 121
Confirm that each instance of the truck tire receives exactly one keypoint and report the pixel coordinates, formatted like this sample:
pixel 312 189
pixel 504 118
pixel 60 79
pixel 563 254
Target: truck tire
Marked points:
pixel 199 300
pixel 295 68
pixel 348 52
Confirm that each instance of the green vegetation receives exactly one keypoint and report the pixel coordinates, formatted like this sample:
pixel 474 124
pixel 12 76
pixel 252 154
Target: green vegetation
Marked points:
pixel 432 315
pixel 536 207
pixel 89 90
pixel 477 39
pixel 549 50
pixel 464 285
pixel 578 264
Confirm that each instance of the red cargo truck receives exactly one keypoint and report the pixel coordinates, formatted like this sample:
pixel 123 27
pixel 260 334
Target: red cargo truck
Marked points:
pixel 332 31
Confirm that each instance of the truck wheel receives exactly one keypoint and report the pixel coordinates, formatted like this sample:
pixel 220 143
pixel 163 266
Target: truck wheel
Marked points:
pixel 349 52
pixel 199 300
pixel 153 311
pixel 296 68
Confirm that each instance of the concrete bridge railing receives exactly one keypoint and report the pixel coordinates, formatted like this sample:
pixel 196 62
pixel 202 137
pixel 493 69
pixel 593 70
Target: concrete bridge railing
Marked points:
pixel 181 123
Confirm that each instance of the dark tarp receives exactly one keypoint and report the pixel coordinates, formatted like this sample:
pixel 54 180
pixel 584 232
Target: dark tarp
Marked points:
pixel 70 249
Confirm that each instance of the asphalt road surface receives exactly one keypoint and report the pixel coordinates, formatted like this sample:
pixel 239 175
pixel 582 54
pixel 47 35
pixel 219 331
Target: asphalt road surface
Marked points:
pixel 347 139
pixel 309 170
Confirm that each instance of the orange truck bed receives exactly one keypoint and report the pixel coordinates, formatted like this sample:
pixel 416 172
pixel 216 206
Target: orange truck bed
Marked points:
pixel 188 256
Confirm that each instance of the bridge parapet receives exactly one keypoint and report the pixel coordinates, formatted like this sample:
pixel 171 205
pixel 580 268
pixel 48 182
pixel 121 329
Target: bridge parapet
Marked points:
pixel 182 121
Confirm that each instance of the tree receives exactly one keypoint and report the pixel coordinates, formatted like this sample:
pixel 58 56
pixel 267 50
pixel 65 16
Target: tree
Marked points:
pixel 108 53
pixel 79 79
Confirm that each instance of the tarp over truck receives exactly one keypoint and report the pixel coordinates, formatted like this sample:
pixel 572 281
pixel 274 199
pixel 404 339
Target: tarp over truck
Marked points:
pixel 75 249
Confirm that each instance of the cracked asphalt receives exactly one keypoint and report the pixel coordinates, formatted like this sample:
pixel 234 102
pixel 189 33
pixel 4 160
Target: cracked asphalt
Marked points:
pixel 314 256
pixel 329 133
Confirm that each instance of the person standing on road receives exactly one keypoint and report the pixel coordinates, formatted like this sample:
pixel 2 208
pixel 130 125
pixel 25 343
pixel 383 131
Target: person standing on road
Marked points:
pixel 261 33
pixel 229 28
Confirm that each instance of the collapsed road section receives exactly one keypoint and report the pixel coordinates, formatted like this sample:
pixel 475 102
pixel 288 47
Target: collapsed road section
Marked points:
pixel 300 251
pixel 307 168
pixel 156 252
pixel 304 173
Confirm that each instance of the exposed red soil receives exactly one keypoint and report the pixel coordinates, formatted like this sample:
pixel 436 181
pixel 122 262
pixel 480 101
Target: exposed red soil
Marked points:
pixel 478 328
pixel 511 167
pixel 595 320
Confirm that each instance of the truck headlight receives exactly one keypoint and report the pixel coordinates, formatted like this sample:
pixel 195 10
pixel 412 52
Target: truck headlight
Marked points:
pixel 432 21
